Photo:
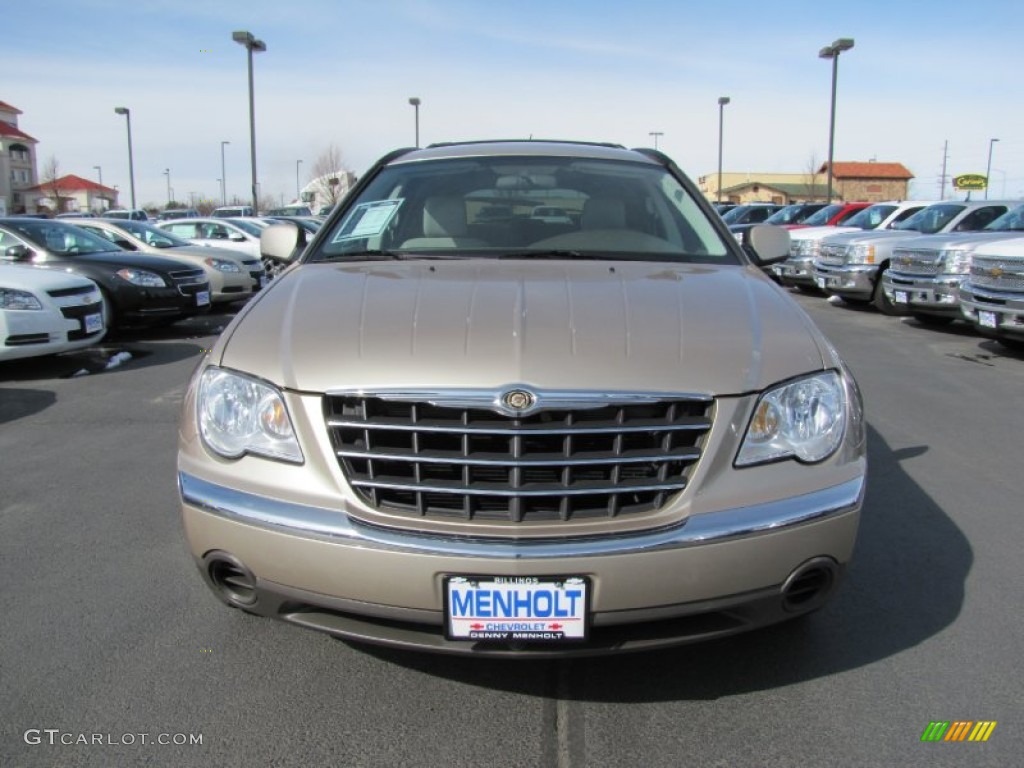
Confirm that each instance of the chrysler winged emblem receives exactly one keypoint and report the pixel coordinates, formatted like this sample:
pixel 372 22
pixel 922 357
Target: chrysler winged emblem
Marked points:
pixel 518 399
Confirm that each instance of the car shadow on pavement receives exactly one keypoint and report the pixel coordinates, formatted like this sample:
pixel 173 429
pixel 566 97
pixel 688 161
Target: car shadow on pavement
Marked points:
pixel 19 403
pixel 905 584
pixel 106 357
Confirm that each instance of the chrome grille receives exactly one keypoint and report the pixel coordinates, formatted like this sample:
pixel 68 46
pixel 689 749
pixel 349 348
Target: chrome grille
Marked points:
pixel 832 254
pixel 184 277
pixel 473 463
pixel 999 274
pixel 923 262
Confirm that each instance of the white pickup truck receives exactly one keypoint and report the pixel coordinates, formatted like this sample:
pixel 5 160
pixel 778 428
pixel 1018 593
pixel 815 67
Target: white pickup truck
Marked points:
pixel 992 297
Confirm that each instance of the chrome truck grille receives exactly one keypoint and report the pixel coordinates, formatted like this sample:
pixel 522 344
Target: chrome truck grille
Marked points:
pixel 832 254
pixel 569 456
pixel 917 262
pixel 999 274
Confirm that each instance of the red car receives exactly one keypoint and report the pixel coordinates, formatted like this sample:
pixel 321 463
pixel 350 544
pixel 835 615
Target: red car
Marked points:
pixel 830 216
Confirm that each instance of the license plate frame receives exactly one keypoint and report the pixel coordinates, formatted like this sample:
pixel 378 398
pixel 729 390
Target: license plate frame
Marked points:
pixel 533 609
pixel 988 319
pixel 202 298
pixel 900 297
pixel 93 323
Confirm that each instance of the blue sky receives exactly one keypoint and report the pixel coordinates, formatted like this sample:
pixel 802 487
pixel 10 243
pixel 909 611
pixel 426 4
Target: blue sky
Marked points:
pixel 341 72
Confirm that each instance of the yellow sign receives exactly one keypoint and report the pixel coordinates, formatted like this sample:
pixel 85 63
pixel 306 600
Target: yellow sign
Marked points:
pixel 970 181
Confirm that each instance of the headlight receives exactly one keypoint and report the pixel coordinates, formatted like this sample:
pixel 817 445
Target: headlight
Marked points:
pixel 956 262
pixel 142 277
pixel 14 299
pixel 239 415
pixel 222 265
pixel 802 419
pixel 860 254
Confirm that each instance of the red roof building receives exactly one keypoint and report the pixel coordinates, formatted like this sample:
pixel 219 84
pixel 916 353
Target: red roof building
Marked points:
pixel 869 181
pixel 75 194
pixel 17 161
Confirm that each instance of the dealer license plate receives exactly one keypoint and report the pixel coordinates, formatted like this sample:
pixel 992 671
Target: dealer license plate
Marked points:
pixel 516 608
pixel 93 323
pixel 821 282
pixel 987 319
pixel 263 281
pixel 900 297
pixel 202 298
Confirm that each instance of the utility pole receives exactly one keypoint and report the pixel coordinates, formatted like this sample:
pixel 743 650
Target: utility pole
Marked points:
pixel 942 180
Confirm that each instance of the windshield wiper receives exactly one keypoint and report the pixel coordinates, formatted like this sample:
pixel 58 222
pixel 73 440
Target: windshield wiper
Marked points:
pixel 553 253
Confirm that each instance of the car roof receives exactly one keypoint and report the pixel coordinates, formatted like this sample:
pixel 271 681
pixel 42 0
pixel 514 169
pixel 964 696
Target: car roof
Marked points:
pixel 522 148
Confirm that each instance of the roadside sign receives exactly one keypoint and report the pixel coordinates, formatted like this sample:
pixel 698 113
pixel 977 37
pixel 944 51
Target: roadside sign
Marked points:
pixel 970 181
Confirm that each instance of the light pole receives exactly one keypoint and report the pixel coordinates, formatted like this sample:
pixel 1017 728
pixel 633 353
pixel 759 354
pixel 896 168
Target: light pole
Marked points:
pixel 722 101
pixel 415 101
pixel 297 190
pixel 988 168
pixel 832 52
pixel 251 44
pixel 131 162
pixel 656 134
pixel 170 197
pixel 99 170
pixel 223 177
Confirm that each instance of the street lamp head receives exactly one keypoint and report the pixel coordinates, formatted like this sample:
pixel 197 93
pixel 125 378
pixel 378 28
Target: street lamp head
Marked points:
pixel 842 44
pixel 248 39
pixel 723 100
pixel 121 110
pixel 827 52
pixel 414 100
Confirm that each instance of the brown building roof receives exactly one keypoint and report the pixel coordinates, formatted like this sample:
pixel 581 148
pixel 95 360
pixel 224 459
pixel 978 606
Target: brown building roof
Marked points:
pixel 895 171
pixel 5 105
pixel 72 183
pixel 8 129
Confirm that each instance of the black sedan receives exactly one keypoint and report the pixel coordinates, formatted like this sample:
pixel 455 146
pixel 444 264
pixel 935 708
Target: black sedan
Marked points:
pixel 137 289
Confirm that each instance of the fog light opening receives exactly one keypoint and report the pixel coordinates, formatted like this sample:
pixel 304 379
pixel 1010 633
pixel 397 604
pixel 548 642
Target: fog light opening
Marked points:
pixel 810 585
pixel 231 580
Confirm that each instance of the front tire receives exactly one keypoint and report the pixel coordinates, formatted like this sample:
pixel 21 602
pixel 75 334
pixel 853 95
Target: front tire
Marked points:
pixel 881 302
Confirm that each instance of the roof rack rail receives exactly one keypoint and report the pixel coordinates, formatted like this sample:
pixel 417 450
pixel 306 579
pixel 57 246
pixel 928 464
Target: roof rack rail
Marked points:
pixel 609 144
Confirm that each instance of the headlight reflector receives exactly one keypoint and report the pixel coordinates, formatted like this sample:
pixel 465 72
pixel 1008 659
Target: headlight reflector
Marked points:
pixel 956 261
pixel 860 254
pixel 803 419
pixel 223 265
pixel 11 298
pixel 142 277
pixel 238 415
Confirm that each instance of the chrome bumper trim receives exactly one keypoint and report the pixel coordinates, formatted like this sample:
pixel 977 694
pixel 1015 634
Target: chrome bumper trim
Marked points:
pixel 335 525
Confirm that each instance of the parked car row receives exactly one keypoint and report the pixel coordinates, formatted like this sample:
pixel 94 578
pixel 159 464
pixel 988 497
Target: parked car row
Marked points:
pixel 112 273
pixel 939 262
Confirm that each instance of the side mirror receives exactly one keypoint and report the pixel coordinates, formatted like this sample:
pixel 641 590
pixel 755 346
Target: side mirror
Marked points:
pixel 236 237
pixel 766 243
pixel 19 253
pixel 127 245
pixel 282 242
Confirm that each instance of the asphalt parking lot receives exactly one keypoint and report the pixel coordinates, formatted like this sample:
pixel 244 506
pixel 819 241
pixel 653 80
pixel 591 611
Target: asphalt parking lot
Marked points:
pixel 111 644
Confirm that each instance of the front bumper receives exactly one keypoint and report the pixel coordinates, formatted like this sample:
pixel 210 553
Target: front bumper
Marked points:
pixel 930 295
pixel 852 280
pixel 993 312
pixel 795 271
pixel 714 574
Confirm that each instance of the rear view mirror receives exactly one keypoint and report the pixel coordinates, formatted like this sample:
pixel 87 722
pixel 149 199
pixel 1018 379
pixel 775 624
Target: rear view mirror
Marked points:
pixel 766 243
pixel 282 242
pixel 19 253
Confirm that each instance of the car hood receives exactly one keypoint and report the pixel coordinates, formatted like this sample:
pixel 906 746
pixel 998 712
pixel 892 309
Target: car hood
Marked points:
pixel 114 260
pixel 871 236
pixel 804 232
pixel 955 239
pixel 554 325
pixel 202 251
pixel 27 277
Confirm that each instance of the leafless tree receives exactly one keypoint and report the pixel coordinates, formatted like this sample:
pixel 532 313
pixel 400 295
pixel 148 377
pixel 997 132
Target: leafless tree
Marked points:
pixel 50 183
pixel 813 168
pixel 330 176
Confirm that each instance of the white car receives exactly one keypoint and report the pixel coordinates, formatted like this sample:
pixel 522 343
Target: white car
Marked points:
pixel 44 311
pixel 237 234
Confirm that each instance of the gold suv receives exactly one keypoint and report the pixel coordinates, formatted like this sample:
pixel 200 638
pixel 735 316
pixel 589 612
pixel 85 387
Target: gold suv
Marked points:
pixel 515 435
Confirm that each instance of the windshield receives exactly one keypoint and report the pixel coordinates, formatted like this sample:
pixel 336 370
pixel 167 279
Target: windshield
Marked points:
pixel 932 219
pixel 870 217
pixel 250 226
pixel 823 216
pixel 792 214
pixel 61 239
pixel 506 207
pixel 150 235
pixel 1011 221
